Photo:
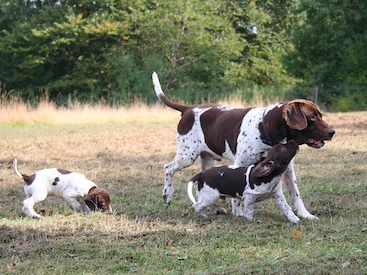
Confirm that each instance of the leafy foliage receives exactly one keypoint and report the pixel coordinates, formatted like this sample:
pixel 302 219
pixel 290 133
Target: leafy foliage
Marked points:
pixel 202 49
pixel 330 49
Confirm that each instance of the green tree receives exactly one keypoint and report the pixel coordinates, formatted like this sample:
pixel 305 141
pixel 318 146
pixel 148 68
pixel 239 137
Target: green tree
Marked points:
pixel 330 47
pixel 108 48
pixel 194 41
pixel 60 46
pixel 263 25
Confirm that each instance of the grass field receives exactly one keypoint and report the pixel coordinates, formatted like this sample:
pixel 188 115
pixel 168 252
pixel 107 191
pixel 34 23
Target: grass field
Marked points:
pixel 124 152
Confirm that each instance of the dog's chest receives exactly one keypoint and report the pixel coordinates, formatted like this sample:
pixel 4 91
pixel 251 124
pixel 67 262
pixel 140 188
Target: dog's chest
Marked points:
pixel 264 190
pixel 250 148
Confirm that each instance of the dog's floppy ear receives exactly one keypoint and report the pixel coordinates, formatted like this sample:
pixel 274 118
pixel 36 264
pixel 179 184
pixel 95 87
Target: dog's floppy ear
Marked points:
pixel 294 116
pixel 91 201
pixel 263 169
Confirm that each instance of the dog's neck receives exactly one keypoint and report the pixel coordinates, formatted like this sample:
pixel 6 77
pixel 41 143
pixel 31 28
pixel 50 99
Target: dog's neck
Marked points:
pixel 272 128
pixel 266 137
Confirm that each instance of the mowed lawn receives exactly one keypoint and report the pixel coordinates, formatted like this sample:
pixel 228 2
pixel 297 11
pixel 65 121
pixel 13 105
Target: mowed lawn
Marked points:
pixel 145 236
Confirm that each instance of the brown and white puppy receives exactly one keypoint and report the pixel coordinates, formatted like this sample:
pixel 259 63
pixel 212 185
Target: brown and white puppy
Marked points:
pixel 244 136
pixel 250 184
pixel 81 193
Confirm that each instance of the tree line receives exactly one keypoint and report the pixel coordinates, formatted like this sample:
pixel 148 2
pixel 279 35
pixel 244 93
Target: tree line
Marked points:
pixel 202 49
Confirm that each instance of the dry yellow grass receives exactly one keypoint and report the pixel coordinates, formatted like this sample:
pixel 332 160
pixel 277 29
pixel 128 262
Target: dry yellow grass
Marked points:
pixel 144 236
pixel 16 112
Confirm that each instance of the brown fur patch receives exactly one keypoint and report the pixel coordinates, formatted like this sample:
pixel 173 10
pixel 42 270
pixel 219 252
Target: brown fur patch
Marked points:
pixel 274 125
pixel 186 122
pixel 64 172
pixel 220 126
pixel 29 179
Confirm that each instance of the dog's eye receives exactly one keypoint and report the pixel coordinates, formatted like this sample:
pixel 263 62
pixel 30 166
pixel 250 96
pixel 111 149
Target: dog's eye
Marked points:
pixel 313 118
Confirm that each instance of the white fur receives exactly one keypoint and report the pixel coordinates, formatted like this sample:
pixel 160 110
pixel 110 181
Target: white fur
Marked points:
pixel 266 191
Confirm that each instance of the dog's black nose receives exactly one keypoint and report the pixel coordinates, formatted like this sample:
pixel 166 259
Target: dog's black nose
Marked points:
pixel 331 133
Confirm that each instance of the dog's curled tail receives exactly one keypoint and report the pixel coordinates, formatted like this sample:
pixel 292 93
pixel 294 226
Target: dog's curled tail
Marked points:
pixel 15 168
pixel 159 92
pixel 190 187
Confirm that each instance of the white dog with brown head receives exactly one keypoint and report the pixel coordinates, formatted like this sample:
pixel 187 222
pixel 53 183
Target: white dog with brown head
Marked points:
pixel 83 194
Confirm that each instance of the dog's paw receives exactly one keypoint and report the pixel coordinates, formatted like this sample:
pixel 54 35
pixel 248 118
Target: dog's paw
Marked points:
pixel 221 211
pixel 167 199
pixel 307 215
pixel 294 219
pixel 167 196
pixel 248 216
pixel 311 217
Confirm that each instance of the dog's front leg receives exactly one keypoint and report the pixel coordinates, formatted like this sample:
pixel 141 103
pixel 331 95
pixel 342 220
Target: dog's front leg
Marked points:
pixel 237 207
pixel 282 202
pixel 84 207
pixel 248 203
pixel 290 180
pixel 77 206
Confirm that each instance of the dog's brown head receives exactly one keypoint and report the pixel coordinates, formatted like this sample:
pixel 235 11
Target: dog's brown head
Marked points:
pixel 98 198
pixel 306 124
pixel 277 160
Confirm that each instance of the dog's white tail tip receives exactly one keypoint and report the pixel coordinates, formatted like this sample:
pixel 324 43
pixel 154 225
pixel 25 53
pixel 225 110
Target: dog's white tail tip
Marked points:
pixel 15 168
pixel 157 84
pixel 190 186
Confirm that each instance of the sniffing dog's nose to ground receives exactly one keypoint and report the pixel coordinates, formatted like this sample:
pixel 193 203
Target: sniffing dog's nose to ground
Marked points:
pixel 250 184
pixel 83 194
pixel 244 136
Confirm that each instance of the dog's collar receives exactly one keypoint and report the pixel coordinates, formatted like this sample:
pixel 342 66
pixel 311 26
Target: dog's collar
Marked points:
pixel 248 171
pixel 268 139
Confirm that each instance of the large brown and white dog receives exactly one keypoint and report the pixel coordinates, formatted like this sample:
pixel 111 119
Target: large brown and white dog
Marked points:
pixel 243 135
pixel 75 188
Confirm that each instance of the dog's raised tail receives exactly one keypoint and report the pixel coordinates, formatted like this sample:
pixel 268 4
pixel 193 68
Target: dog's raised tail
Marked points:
pixel 159 92
pixel 15 168
pixel 190 187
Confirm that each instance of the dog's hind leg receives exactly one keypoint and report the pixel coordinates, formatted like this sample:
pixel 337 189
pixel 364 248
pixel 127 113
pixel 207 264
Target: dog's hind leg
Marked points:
pixel 199 208
pixel 30 202
pixel 169 170
pixel 185 157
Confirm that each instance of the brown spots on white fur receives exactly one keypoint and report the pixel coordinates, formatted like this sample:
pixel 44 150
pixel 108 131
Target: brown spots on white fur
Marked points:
pixel 56 180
